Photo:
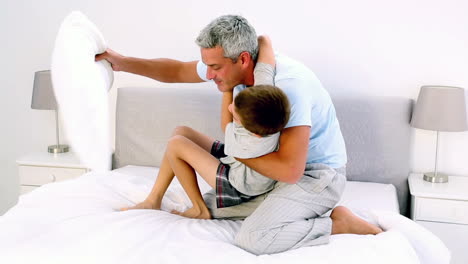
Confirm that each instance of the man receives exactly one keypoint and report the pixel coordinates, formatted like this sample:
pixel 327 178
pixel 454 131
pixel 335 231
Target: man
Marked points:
pixel 310 163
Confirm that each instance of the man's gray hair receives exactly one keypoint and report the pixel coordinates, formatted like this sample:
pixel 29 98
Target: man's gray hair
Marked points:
pixel 231 32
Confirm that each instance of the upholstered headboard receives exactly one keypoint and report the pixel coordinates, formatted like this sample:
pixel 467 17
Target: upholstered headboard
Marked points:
pixel 376 130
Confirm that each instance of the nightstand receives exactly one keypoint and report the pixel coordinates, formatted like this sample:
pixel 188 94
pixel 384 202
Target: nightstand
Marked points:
pixel 37 169
pixel 443 209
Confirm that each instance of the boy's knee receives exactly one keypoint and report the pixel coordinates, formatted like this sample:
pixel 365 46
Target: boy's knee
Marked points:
pixel 174 141
pixel 181 131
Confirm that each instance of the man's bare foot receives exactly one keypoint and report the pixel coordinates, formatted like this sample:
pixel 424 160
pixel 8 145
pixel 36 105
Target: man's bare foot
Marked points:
pixel 345 222
pixel 193 212
pixel 143 205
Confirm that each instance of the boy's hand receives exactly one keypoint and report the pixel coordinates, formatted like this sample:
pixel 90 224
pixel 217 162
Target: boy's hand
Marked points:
pixel 264 40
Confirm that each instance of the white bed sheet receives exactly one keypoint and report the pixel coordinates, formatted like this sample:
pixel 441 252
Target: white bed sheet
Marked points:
pixel 358 196
pixel 78 221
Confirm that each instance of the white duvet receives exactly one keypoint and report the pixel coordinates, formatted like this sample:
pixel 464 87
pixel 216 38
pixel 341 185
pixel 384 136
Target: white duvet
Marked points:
pixel 78 221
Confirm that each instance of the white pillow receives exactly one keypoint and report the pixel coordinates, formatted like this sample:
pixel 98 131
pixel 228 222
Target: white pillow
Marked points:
pixel 80 87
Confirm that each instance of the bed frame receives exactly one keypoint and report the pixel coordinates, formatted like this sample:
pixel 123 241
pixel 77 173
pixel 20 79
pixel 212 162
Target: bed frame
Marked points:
pixel 376 130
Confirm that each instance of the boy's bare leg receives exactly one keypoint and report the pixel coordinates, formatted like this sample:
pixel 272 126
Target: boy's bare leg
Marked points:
pixel 185 158
pixel 166 173
pixel 202 140
pixel 153 201
pixel 345 222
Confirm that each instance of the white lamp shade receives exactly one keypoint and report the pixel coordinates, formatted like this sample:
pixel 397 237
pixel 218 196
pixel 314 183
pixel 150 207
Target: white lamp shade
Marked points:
pixel 440 108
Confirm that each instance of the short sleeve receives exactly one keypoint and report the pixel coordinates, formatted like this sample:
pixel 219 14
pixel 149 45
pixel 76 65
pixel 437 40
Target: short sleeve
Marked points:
pixel 300 99
pixel 240 143
pixel 264 73
pixel 201 70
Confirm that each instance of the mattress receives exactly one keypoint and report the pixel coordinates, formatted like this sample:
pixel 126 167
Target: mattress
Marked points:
pixel 78 221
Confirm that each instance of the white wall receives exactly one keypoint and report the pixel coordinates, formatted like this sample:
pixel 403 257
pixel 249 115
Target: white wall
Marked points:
pixel 369 47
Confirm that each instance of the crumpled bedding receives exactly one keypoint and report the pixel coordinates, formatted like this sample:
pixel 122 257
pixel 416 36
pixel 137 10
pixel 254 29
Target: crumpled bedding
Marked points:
pixel 78 221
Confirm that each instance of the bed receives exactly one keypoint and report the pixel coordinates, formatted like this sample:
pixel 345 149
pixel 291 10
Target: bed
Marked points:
pixel 79 221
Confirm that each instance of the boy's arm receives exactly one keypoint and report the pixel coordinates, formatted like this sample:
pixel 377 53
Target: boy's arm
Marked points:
pixel 163 70
pixel 266 75
pixel 264 72
pixel 226 116
pixel 265 51
pixel 288 163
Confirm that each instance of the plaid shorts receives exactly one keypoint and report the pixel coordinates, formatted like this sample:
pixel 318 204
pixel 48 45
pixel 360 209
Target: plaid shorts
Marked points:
pixel 226 194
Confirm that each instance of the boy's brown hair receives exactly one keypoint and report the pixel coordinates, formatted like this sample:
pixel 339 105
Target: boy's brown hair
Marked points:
pixel 263 109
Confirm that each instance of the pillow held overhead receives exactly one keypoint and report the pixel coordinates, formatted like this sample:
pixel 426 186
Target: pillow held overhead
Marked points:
pixel 80 87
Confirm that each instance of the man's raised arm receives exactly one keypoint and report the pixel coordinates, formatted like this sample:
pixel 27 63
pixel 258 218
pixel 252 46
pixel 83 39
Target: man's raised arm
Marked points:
pixel 288 163
pixel 163 70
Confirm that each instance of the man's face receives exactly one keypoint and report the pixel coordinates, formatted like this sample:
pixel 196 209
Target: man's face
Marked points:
pixel 223 71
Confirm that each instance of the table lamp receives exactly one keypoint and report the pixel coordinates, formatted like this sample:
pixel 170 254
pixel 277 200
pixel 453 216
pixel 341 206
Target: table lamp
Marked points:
pixel 43 99
pixel 440 108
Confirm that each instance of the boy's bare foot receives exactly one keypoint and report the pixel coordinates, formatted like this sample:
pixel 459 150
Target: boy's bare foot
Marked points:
pixel 143 205
pixel 193 212
pixel 345 222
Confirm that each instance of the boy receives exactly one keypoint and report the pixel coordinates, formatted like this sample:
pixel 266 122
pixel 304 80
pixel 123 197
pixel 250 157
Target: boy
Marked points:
pixel 259 113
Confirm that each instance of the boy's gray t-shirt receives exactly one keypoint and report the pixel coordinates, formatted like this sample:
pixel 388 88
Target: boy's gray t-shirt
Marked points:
pixel 240 143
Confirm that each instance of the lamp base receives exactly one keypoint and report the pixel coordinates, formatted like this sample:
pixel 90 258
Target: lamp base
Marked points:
pixel 58 148
pixel 439 178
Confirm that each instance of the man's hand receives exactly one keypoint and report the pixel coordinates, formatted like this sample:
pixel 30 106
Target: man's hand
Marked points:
pixel 115 59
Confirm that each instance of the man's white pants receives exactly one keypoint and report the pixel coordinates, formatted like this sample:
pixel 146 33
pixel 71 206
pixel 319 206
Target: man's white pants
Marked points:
pixel 291 215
